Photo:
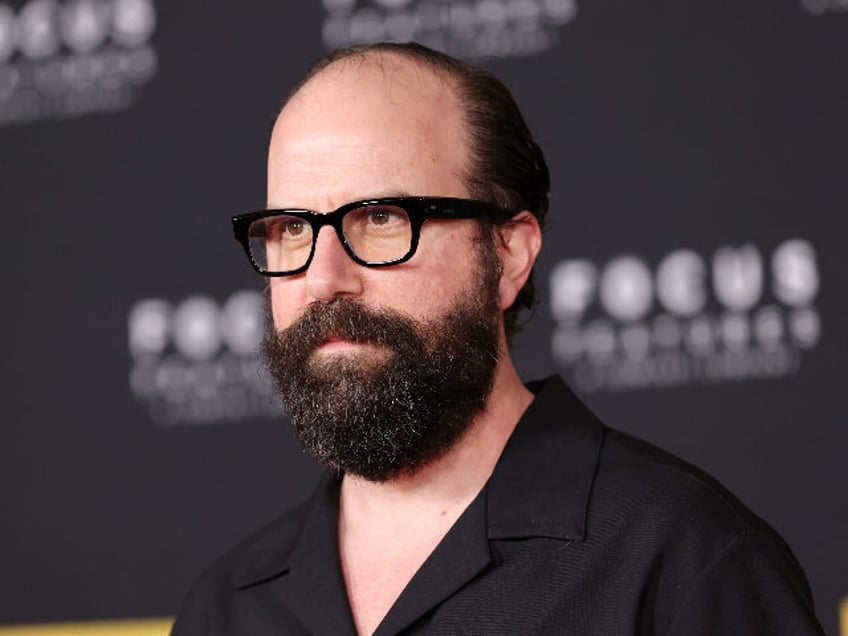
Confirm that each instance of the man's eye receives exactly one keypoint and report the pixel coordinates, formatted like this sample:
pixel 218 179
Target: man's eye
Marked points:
pixel 289 228
pixel 381 217
pixel 375 222
pixel 294 227
pixel 385 217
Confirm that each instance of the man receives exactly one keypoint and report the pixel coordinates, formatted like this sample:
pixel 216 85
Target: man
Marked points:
pixel 405 199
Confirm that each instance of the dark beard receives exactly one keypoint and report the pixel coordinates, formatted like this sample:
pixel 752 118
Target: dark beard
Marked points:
pixel 380 418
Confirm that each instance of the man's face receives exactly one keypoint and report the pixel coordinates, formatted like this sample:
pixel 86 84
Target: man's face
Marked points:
pixel 359 131
pixel 368 353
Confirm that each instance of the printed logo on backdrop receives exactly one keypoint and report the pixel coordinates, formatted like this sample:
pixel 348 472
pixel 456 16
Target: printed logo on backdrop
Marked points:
pixel 823 7
pixel 66 58
pixel 738 313
pixel 463 28
pixel 195 361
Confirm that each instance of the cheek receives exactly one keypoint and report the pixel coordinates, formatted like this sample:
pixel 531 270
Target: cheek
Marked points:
pixel 433 283
pixel 287 301
pixel 444 268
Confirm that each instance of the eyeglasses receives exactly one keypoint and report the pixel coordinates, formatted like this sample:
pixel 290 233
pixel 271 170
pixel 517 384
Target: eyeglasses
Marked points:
pixel 374 233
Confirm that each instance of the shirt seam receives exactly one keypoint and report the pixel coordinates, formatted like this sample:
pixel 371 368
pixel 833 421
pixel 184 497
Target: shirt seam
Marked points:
pixel 707 569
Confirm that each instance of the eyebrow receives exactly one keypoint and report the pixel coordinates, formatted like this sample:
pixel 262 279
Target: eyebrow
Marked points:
pixel 385 194
pixel 379 194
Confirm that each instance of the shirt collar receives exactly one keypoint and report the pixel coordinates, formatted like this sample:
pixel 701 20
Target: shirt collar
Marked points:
pixel 303 572
pixel 272 550
pixel 541 485
pixel 540 488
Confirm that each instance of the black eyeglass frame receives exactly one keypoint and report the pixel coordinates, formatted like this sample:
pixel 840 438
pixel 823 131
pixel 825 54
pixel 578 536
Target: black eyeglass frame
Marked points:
pixel 419 210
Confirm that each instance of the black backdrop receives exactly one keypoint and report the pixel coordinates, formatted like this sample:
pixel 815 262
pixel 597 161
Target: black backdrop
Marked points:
pixel 693 275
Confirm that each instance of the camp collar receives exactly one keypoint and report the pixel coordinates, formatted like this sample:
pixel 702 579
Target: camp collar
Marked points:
pixel 540 487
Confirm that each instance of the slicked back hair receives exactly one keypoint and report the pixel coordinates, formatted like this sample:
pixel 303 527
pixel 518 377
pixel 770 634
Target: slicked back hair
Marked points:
pixel 506 168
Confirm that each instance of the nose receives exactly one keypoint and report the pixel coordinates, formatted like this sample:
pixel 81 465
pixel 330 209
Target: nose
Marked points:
pixel 332 273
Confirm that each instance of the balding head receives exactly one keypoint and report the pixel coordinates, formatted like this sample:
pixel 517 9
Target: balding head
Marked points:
pixel 493 149
pixel 367 117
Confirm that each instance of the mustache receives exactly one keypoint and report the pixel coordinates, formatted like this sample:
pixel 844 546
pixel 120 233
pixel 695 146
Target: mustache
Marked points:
pixel 347 319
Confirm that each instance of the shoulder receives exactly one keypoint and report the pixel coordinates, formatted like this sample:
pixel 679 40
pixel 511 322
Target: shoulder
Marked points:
pixel 622 479
pixel 707 562
pixel 644 480
pixel 688 554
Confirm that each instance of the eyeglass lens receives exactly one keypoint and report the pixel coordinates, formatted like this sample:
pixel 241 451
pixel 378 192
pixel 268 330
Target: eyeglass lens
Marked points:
pixel 374 233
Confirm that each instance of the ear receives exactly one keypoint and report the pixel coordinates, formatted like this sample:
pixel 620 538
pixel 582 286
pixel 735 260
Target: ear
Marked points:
pixel 520 240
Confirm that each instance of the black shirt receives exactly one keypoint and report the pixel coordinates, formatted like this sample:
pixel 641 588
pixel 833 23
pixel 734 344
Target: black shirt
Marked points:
pixel 580 530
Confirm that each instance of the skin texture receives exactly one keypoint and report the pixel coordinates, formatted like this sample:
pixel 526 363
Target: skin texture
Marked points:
pixel 385 126
pixel 338 142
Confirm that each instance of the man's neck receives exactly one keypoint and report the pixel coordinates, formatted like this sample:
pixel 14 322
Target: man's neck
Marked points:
pixel 387 530
pixel 454 478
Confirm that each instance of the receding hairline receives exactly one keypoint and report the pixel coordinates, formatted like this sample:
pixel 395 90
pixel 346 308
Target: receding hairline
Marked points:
pixel 503 164
pixel 384 59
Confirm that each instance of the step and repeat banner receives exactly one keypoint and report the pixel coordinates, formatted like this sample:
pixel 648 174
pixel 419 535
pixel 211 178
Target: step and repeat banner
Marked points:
pixel 694 274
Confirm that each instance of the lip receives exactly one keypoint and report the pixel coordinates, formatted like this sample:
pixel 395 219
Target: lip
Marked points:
pixel 336 344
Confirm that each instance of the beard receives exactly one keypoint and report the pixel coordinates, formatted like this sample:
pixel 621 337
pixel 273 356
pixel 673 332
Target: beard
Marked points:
pixel 386 415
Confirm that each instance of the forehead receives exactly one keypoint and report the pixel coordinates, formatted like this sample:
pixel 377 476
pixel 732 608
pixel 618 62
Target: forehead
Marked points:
pixel 366 127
